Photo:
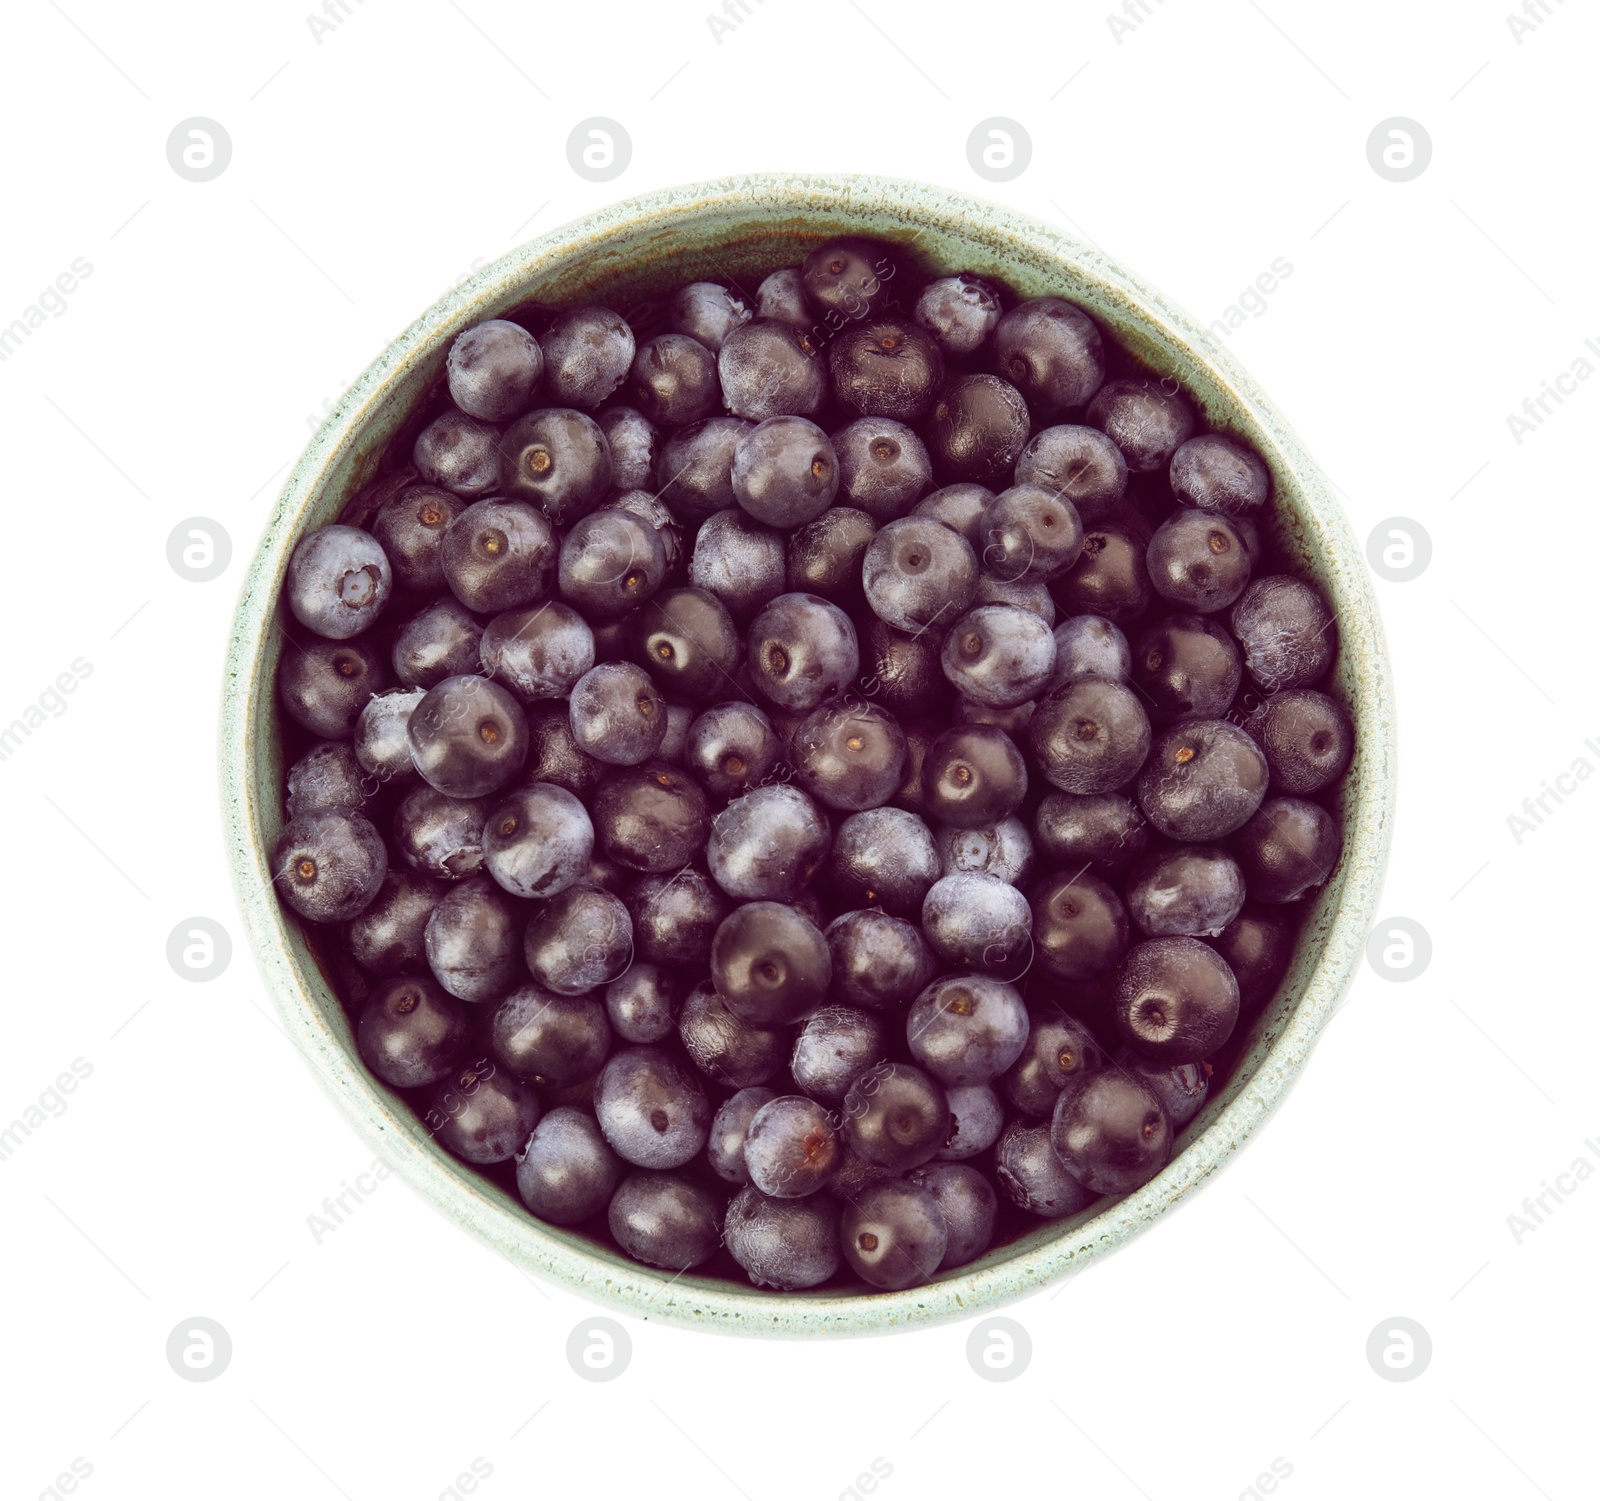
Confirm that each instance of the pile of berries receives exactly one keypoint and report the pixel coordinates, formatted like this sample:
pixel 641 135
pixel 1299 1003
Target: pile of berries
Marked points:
pixel 805 784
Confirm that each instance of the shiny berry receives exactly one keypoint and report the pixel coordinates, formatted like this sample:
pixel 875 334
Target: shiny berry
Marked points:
pixel 1176 999
pixel 328 864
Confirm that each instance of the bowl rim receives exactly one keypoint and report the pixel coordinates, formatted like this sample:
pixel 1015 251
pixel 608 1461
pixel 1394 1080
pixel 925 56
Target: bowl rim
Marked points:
pixel 387 1124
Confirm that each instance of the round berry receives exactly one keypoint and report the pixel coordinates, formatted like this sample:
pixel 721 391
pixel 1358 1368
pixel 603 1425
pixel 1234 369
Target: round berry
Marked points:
pixel 1031 534
pixel 473 941
pixel 1286 632
pixel 879 961
pixel 978 428
pixel 785 472
pixel 1216 473
pixel 1033 1177
pixel 885 367
pixel 999 655
pixel 979 922
pixel 801 650
pixel 1080 927
pixel 386 936
pixel 1146 419
pixel 675 916
pixel 1052 352
pixel 738 560
pixel 651 817
pixel 1181 1087
pixel 538 841
pixel 664 1220
pixel 967 1202
pixel 885 857
pixel 566 1173
pixel 1088 646
pixel 1004 850
pixel 651 1109
pixel 441 641
pixel 538 653
pixel 824 556
pixel 959 311
pixel 493 370
pixel 884 468
pixel 731 748
pixel 1111 577
pixel 634 441
pixel 973 776
pixel 896 1116
pixel 848 278
pixel 554 755
pixel 557 460
pixel 1061 1050
pixel 967 1029
pixel 587 353
pixel 328 864
pixel 695 471
pixel 689 642
pixel 582 937
pixel 917 572
pixel 458 453
pixel 835 1045
pixel 978 1115
pixel 849 755
pixel 1111 1133
pixel 1090 735
pixel 499 555
pixel 1197 561
pixel 618 714
pixel 1287 849
pixel 674 380
pixel 782 295
pixel 1187 667
pixel 481 1113
pixel 380 743
pixel 1204 779
pixel 1080 464
pixel 709 312
pixel 410 528
pixel 1306 737
pixel 1258 945
pixel 1099 828
pixel 411 1033
pixel 642 1003
pixel 468 736
pixel 1176 999
pixel 610 562
pixel 771 368
pixel 440 836
pixel 550 1039
pixel 787 1244
pixel 791 1148
pixel 770 964
pixel 894 1235
pixel 1195 891
pixel 338 581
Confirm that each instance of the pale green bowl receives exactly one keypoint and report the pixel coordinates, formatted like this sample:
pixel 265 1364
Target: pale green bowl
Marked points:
pixel 740 228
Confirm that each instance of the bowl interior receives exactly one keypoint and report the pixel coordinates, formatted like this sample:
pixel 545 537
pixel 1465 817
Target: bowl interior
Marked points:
pixel 736 232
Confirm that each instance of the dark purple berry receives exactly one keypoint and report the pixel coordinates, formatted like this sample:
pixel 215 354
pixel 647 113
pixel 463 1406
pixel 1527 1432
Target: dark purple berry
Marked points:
pixel 328 864
pixel 411 1033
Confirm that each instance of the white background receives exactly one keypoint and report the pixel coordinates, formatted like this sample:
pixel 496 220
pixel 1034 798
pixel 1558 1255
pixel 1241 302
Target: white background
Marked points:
pixel 419 140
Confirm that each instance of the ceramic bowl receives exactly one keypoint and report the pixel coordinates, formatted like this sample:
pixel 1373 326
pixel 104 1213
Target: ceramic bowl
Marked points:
pixel 738 229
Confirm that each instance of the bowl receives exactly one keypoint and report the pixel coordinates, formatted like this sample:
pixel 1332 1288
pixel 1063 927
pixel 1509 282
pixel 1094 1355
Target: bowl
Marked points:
pixel 740 228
